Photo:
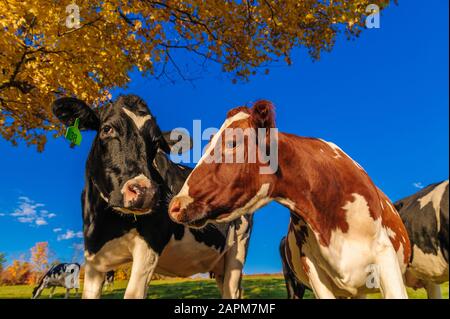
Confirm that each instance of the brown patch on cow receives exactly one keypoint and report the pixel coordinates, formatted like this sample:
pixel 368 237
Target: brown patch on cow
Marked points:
pixel 392 220
pixel 318 178
pixel 321 184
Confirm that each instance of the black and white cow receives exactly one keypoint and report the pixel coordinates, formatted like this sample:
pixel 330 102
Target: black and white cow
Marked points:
pixel 61 275
pixel 129 181
pixel 425 215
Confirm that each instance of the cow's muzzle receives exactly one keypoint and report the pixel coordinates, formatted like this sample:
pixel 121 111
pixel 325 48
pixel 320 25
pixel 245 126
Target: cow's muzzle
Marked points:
pixel 140 195
pixel 183 211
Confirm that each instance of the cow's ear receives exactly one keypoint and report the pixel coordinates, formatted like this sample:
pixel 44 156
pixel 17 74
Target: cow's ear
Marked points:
pixel 178 141
pixel 263 114
pixel 68 109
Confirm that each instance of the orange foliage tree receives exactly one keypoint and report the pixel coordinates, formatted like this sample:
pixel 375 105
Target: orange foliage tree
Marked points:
pixel 49 48
pixel 39 261
pixel 18 273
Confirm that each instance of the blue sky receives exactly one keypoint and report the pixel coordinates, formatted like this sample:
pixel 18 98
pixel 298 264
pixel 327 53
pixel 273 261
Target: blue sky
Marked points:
pixel 383 98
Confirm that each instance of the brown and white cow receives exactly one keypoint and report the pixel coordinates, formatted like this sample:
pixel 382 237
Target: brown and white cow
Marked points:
pixel 344 236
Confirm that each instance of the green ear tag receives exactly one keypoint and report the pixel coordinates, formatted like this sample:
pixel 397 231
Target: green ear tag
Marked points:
pixel 73 134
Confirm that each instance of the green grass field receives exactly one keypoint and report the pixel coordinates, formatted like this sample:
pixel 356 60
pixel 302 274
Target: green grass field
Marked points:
pixel 258 287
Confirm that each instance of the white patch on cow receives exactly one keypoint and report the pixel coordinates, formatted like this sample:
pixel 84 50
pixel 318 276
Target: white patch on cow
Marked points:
pixel 308 265
pixel 237 240
pixel 401 257
pixel 103 197
pixel 137 119
pixel 390 232
pixel 429 267
pixel 259 200
pixel 144 264
pixel 286 202
pixel 335 148
pixel 72 279
pixel 113 253
pixel 400 252
pixel 435 197
pixel 130 247
pixel 187 256
pixel 351 252
pixel 365 243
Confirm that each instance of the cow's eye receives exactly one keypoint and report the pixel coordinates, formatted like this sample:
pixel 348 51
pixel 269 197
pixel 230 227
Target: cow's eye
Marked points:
pixel 231 144
pixel 107 130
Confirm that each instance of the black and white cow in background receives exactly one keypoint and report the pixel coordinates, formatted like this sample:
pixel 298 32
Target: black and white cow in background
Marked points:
pixel 425 215
pixel 295 290
pixel 129 182
pixel 61 275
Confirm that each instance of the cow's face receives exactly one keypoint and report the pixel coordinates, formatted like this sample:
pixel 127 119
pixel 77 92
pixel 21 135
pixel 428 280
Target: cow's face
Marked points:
pixel 222 190
pixel 119 163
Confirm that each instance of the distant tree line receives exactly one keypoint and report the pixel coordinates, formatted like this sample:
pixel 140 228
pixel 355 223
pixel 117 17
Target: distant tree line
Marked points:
pixel 28 271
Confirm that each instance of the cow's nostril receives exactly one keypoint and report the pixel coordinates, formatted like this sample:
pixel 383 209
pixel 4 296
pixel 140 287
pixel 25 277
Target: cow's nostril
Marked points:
pixel 175 207
pixel 133 189
pixel 136 189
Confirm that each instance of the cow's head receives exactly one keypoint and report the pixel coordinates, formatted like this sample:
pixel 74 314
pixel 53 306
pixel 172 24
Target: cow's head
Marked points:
pixel 218 190
pixel 127 140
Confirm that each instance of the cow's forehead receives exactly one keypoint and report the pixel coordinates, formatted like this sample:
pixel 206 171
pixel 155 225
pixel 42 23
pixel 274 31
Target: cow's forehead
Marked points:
pixel 119 109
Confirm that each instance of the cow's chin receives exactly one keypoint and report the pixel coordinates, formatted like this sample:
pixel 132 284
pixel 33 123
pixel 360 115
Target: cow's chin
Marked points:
pixel 211 218
pixel 199 223
pixel 133 211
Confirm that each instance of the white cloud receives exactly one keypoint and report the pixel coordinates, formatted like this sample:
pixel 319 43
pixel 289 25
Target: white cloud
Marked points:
pixel 69 234
pixel 57 230
pixel 2 214
pixel 418 185
pixel 29 212
pixel 40 221
pixel 25 219
pixel 78 246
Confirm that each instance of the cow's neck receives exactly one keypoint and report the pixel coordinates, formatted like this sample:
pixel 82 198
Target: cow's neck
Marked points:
pixel 292 184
